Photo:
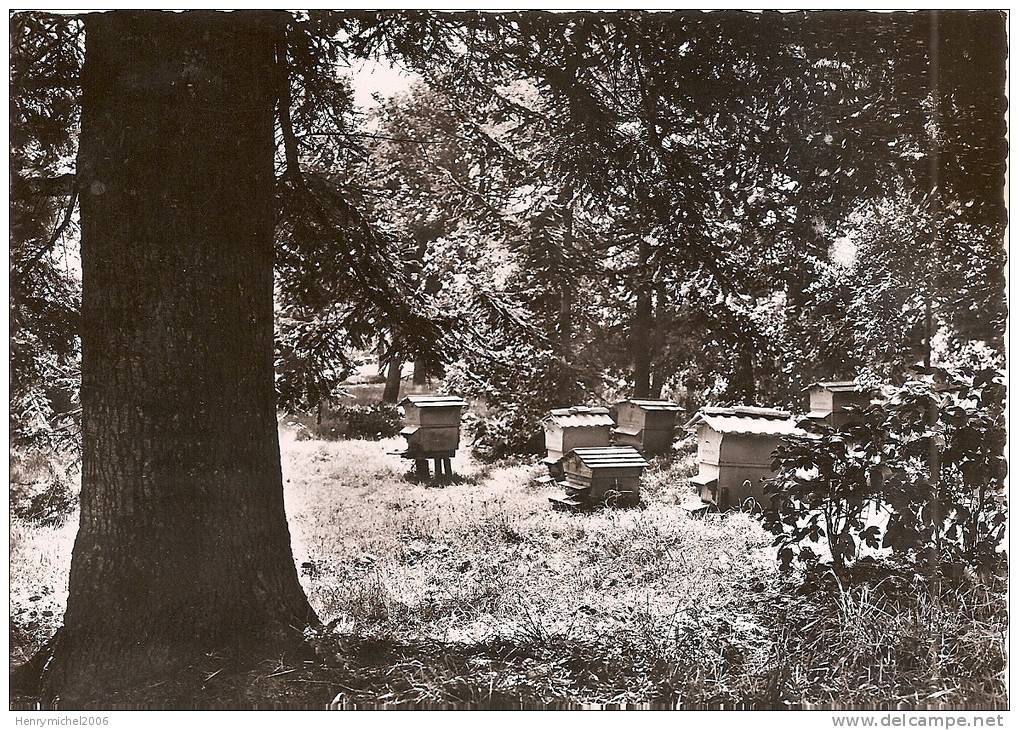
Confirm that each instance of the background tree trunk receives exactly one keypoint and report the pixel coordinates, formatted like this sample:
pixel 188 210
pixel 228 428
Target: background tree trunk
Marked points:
pixel 566 387
pixel 420 374
pixel 183 546
pixel 743 388
pixel 392 391
pixel 640 332
pixel 659 373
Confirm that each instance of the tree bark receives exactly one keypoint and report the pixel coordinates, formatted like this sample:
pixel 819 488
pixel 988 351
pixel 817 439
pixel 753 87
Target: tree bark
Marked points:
pixel 566 388
pixel 392 391
pixel 420 374
pixel 744 381
pixel 928 331
pixel 183 546
pixel 640 332
pixel 659 373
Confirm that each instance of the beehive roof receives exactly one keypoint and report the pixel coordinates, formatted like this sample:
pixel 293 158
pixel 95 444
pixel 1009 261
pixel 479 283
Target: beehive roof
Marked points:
pixel 653 405
pixel 747 419
pixel 609 457
pixel 838 386
pixel 434 401
pixel 579 416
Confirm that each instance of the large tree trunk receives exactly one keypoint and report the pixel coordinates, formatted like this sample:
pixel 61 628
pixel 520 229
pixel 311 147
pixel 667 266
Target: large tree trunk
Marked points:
pixel 183 546
pixel 392 391
pixel 640 331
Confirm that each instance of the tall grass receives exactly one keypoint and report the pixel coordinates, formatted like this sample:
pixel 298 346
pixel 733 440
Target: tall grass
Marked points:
pixel 473 590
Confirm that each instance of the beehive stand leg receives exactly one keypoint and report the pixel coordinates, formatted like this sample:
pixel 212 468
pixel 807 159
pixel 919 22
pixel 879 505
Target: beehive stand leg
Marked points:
pixel 438 467
pixel 421 467
pixel 447 467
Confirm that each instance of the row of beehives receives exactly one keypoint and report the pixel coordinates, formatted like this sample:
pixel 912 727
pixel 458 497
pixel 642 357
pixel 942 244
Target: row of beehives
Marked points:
pixel 600 460
pixel 734 446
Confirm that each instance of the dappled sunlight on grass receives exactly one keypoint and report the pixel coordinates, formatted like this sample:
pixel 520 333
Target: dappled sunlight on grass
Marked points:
pixel 474 589
pixel 486 560
pixel 40 562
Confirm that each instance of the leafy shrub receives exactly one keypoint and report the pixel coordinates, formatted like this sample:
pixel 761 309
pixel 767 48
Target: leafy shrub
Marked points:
pixel 930 455
pixel 822 491
pixel 42 490
pixel 504 432
pixel 949 426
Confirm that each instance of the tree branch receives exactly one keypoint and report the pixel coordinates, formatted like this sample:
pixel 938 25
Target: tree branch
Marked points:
pixel 51 187
pixel 57 233
pixel 290 148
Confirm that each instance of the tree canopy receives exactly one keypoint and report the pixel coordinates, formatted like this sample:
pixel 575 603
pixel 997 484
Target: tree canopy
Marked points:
pixel 715 206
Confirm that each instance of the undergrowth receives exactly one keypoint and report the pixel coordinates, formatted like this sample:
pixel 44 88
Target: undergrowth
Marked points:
pixel 472 592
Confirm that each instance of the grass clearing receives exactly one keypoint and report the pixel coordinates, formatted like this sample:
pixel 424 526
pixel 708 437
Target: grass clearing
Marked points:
pixel 476 592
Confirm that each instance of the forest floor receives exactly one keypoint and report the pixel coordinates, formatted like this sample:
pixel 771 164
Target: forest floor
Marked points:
pixel 473 592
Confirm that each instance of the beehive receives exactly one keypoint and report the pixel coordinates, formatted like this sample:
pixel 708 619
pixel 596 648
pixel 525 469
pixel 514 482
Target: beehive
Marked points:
pixel 829 401
pixel 601 474
pixel 570 428
pixel 647 425
pixel 734 452
pixel 431 425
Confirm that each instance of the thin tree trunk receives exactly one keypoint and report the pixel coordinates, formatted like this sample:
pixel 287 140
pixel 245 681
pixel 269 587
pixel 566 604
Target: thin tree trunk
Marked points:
pixel 392 392
pixel 928 325
pixel 657 383
pixel 566 388
pixel 640 332
pixel 659 373
pixel 566 380
pixel 933 259
pixel 744 386
pixel 183 547
pixel 420 374
pixel 934 505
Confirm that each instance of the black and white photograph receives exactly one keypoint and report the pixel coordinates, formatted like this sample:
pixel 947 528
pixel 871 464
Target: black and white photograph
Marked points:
pixel 390 359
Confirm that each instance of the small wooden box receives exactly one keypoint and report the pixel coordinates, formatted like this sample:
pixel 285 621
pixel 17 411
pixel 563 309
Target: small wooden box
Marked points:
pixel 570 428
pixel 426 443
pixel 604 474
pixel 734 448
pixel 828 401
pixel 432 410
pixel 647 425
pixel 431 425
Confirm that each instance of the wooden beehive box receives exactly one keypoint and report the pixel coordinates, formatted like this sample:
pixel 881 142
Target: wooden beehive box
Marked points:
pixel 828 401
pixel 647 425
pixel 734 448
pixel 570 428
pixel 601 474
pixel 431 425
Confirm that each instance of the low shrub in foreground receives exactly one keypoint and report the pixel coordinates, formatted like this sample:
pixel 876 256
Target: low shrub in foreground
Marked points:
pixel 929 458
